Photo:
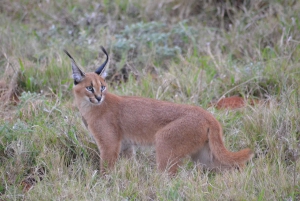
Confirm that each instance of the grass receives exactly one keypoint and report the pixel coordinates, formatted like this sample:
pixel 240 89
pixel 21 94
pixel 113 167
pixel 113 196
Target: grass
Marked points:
pixel 190 52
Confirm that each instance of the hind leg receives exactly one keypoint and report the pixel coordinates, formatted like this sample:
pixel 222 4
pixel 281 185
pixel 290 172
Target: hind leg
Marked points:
pixel 167 160
pixel 175 141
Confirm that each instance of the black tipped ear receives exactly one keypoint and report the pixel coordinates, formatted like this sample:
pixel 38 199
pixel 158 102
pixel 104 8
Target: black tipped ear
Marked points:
pixel 100 70
pixel 78 74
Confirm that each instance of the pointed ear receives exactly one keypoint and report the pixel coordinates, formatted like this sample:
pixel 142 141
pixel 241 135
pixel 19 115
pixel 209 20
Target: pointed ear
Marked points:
pixel 78 74
pixel 101 69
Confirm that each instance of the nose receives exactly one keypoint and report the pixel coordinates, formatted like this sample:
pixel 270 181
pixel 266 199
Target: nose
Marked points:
pixel 98 98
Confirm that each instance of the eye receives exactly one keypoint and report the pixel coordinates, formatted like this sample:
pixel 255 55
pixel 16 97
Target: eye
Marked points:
pixel 90 88
pixel 103 88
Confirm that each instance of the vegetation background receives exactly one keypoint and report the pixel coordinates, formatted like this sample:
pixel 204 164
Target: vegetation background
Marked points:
pixel 193 52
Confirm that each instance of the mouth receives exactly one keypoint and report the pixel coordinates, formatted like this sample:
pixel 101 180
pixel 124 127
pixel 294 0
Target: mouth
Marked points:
pixel 96 101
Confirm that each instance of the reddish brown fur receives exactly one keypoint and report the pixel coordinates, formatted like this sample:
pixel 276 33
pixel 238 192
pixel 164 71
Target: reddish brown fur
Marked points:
pixel 234 102
pixel 176 130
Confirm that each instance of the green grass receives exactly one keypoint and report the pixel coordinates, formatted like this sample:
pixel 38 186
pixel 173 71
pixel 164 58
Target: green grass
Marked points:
pixel 190 52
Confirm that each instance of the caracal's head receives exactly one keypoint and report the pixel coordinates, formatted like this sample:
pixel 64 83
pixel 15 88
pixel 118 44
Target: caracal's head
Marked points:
pixel 89 87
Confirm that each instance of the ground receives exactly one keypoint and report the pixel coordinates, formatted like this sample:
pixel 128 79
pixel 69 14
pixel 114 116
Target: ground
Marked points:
pixel 202 53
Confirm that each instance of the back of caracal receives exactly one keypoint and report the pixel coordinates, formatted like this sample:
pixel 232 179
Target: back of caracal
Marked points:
pixel 176 130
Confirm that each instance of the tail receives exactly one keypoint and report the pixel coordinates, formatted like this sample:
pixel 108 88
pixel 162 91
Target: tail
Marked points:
pixel 223 155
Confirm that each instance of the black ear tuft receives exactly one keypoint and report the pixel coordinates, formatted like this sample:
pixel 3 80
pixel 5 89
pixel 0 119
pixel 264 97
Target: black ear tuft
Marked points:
pixel 101 68
pixel 67 53
pixel 78 74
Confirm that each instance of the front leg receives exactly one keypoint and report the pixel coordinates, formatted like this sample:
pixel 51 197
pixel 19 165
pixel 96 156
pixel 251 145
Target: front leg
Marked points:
pixel 108 142
pixel 109 153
